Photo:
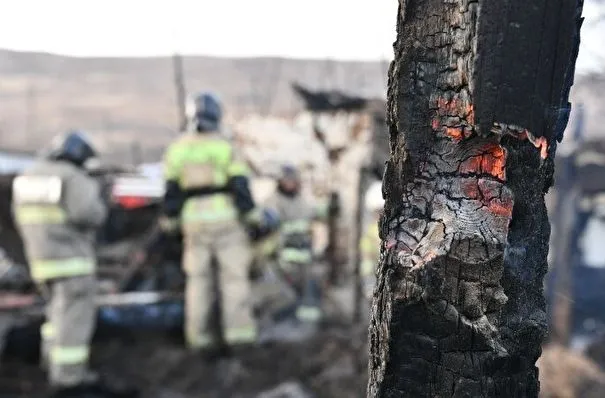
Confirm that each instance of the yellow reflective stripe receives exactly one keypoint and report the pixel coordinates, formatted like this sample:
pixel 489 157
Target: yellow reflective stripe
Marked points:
pixel 47 330
pixel 31 214
pixel 196 148
pixel 237 169
pixel 294 226
pixel 196 341
pixel 204 211
pixel 245 334
pixel 69 355
pixel 308 313
pixel 169 224
pixel 50 269
pixel 296 255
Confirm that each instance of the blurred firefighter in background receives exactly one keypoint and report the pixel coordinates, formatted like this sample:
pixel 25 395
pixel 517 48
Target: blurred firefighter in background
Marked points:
pixel 208 201
pixel 294 247
pixel 370 240
pixel 58 208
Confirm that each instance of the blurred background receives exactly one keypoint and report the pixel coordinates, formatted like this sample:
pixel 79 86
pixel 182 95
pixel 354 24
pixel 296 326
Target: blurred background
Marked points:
pixel 301 83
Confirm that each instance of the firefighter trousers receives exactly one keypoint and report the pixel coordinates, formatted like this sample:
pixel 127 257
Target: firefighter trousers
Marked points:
pixel 229 246
pixel 66 335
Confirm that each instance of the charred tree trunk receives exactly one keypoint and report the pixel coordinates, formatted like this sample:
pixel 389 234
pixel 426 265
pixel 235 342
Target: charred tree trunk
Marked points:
pixel 478 98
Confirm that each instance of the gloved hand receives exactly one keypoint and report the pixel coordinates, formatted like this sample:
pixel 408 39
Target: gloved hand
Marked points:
pixel 254 218
pixel 261 222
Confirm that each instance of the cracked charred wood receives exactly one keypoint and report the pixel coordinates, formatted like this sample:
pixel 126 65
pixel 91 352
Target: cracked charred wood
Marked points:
pixel 478 99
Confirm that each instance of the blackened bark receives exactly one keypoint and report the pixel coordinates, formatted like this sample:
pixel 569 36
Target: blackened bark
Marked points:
pixel 478 98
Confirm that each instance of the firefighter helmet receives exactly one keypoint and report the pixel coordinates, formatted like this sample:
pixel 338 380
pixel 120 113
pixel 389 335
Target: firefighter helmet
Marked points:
pixel 204 112
pixel 73 146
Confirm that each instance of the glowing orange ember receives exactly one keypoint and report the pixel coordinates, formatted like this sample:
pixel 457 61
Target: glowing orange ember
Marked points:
pixel 488 193
pixel 470 113
pixel 491 161
pixel 470 189
pixel 542 144
pixel 501 208
pixel 456 133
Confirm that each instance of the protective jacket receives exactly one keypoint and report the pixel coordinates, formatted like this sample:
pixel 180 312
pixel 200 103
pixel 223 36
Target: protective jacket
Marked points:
pixel 206 182
pixel 57 208
pixel 295 235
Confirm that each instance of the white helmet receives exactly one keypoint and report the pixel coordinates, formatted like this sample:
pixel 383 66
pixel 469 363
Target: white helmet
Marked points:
pixel 373 199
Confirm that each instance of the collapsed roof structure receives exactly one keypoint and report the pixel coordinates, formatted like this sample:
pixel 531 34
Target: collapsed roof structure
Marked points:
pixel 335 101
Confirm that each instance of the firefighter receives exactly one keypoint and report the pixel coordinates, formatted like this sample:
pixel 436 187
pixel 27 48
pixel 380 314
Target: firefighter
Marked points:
pixel 208 201
pixel 370 240
pixel 295 248
pixel 58 207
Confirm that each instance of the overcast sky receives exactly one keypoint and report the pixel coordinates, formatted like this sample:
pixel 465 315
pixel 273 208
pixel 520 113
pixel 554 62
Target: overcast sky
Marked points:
pixel 339 29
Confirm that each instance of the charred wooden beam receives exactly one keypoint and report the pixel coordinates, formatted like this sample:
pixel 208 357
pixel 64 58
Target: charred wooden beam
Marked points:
pixel 478 98
pixel 329 101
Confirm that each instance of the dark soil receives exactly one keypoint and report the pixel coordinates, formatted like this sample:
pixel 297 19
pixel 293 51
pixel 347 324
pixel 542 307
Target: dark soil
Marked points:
pixel 333 364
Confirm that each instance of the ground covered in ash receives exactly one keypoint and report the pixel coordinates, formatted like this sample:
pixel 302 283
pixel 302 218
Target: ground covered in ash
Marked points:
pixel 332 364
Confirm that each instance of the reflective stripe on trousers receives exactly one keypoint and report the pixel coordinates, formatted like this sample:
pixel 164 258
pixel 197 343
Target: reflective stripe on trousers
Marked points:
pixel 42 270
pixel 232 336
pixel 47 331
pixel 37 215
pixel 308 313
pixel 47 334
pixel 290 255
pixel 201 341
pixel 241 335
pixel 69 355
pixel 296 226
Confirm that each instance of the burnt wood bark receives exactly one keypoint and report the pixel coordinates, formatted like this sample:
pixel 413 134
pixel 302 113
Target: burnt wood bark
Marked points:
pixel 478 99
